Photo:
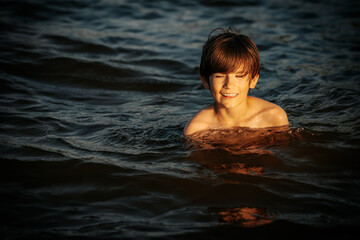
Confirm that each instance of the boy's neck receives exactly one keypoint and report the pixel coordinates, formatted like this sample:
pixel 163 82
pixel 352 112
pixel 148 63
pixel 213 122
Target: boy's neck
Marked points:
pixel 232 117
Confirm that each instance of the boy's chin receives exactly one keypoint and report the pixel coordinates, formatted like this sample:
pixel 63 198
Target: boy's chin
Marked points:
pixel 227 105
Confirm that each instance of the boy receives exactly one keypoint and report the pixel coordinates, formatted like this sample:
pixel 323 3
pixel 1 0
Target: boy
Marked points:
pixel 230 66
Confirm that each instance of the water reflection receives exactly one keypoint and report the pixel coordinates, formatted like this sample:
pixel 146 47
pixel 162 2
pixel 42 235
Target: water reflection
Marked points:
pixel 237 150
pixel 241 140
pixel 241 168
pixel 246 216
pixel 223 162
pixel 236 154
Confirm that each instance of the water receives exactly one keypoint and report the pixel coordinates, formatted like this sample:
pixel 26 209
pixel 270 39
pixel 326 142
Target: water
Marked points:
pixel 95 94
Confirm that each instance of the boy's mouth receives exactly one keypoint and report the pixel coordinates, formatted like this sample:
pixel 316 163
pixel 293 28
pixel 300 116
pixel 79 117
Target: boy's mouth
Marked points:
pixel 229 95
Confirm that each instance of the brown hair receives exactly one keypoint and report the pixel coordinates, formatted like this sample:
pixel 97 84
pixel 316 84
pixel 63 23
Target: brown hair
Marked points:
pixel 227 52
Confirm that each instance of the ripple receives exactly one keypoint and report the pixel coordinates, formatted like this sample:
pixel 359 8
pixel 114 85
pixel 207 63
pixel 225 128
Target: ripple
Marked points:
pixel 76 46
pixel 94 97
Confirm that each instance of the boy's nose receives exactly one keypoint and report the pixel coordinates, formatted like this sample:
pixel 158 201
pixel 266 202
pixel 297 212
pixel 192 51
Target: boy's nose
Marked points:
pixel 229 81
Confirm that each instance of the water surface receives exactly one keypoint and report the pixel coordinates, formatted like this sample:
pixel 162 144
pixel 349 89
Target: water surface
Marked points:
pixel 95 94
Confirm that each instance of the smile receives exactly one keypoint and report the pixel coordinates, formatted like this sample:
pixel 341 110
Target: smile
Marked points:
pixel 229 95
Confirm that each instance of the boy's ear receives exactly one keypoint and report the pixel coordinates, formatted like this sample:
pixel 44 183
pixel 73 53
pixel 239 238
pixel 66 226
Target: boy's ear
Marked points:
pixel 205 82
pixel 254 81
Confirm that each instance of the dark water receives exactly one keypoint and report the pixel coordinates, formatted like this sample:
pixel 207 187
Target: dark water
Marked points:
pixel 95 94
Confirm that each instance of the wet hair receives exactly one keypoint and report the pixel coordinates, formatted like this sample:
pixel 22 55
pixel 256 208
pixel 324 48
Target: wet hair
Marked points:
pixel 227 52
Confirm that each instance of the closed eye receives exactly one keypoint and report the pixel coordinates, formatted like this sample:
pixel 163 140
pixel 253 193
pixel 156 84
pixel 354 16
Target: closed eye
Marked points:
pixel 240 76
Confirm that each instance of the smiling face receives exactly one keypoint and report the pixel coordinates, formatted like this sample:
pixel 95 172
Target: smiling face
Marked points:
pixel 230 90
pixel 229 67
pixel 227 53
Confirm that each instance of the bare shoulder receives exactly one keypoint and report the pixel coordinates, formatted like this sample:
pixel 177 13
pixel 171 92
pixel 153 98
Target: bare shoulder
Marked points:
pixel 201 121
pixel 269 114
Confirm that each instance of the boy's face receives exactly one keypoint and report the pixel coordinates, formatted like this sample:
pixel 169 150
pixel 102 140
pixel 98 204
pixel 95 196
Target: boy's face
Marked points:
pixel 230 89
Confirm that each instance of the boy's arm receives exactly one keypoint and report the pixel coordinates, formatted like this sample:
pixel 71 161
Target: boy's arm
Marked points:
pixel 279 117
pixel 270 114
pixel 194 126
pixel 198 123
